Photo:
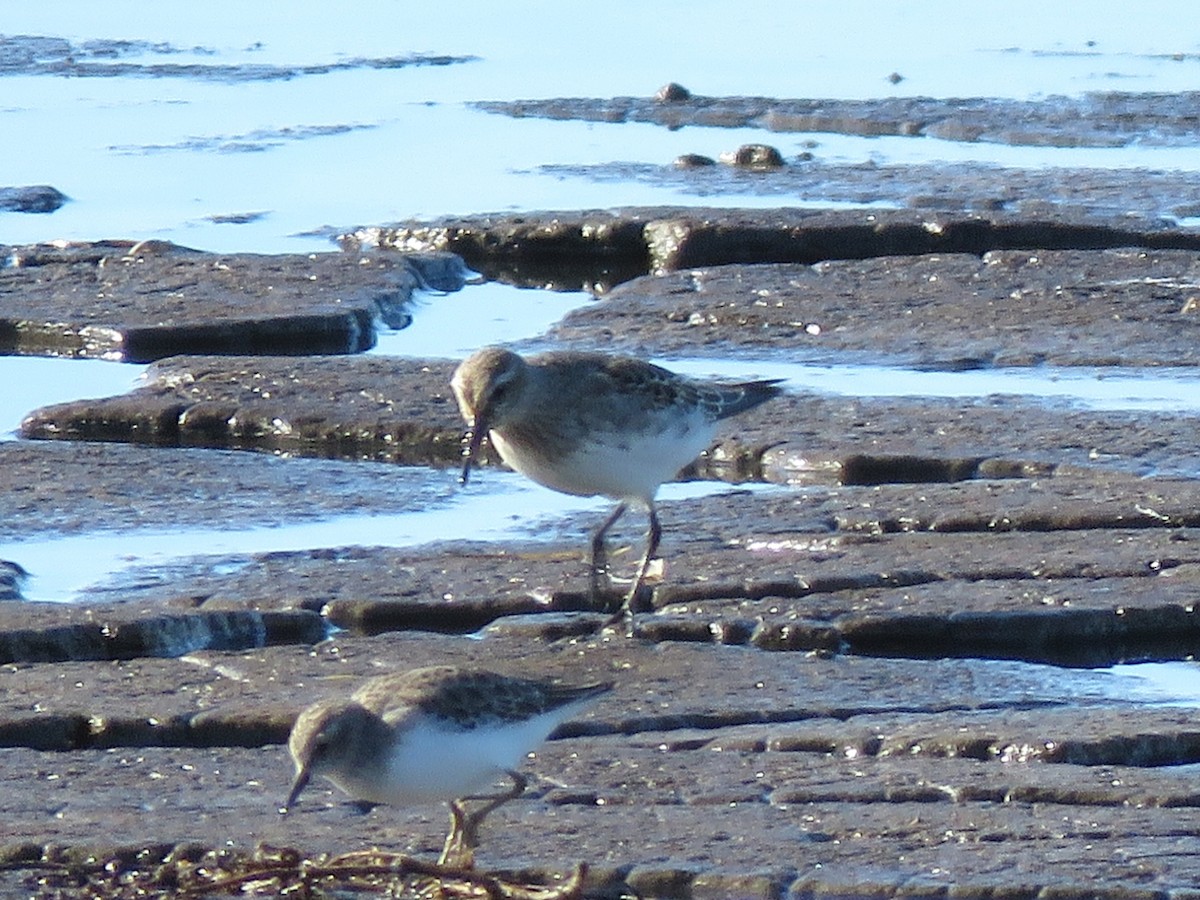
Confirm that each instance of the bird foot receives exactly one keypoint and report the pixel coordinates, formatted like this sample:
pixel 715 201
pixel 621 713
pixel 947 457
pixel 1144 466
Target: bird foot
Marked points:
pixel 619 624
pixel 459 849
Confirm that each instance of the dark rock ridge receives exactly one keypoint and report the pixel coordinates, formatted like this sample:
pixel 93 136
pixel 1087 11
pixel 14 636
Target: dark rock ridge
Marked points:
pixel 1099 119
pixel 567 249
pixel 160 636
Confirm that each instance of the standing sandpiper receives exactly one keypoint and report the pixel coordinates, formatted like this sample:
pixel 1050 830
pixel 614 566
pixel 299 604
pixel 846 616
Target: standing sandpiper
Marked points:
pixel 437 733
pixel 590 423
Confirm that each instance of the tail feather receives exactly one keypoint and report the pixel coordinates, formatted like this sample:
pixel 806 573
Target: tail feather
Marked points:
pixel 731 399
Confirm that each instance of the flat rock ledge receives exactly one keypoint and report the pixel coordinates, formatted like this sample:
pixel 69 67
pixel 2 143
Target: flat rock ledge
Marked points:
pixel 1125 307
pixel 141 301
pixel 352 407
pixel 1125 310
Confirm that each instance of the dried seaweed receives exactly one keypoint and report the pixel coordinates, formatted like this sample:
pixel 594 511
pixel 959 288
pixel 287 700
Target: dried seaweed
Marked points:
pixel 278 872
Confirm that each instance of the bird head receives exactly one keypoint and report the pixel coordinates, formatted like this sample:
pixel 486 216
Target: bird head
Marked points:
pixel 321 741
pixel 486 386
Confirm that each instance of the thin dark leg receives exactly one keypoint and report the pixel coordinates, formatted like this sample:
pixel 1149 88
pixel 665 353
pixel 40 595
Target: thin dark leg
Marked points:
pixel 459 849
pixel 625 613
pixel 453 851
pixel 599 561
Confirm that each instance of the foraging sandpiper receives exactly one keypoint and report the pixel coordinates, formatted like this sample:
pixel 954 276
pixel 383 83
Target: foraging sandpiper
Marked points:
pixel 437 733
pixel 591 423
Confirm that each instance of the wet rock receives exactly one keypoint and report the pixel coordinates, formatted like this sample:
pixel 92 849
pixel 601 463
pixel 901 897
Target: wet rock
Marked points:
pixel 548 627
pixel 12 578
pixel 399 411
pixel 110 731
pixel 835 759
pixel 657 881
pixel 69 487
pixel 38 198
pixel 356 408
pixel 752 569
pixel 255 727
pixel 143 301
pixel 56 732
pixel 989 528
pixel 955 188
pixel 865 469
pixel 1056 636
pixel 746 884
pixel 236 218
pixel 160 636
pixel 556 250
pixel 375 617
pixel 796 635
pixel 690 241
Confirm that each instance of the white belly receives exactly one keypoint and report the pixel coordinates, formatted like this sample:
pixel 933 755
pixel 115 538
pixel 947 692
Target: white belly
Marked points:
pixel 624 467
pixel 430 765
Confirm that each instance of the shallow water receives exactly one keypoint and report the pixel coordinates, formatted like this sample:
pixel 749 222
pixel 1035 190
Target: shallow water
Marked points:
pixel 156 157
pixel 30 383
pixel 500 506
pixel 1158 684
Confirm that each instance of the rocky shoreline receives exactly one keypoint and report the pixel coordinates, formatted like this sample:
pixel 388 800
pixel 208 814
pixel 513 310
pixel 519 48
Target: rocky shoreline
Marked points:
pixel 871 672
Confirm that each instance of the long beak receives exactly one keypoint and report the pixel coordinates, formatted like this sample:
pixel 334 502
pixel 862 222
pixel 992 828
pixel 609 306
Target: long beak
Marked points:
pixel 471 441
pixel 297 786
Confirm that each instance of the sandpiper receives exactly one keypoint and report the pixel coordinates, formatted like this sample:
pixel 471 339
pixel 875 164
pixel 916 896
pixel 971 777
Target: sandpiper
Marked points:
pixel 591 423
pixel 430 734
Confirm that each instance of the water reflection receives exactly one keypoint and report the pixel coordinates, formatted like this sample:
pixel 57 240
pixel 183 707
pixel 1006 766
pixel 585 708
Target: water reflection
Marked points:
pixel 1159 683
pixel 30 383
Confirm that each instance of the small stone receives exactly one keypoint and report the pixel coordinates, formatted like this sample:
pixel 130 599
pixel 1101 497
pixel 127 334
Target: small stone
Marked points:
pixel 693 161
pixel 754 156
pixel 673 93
